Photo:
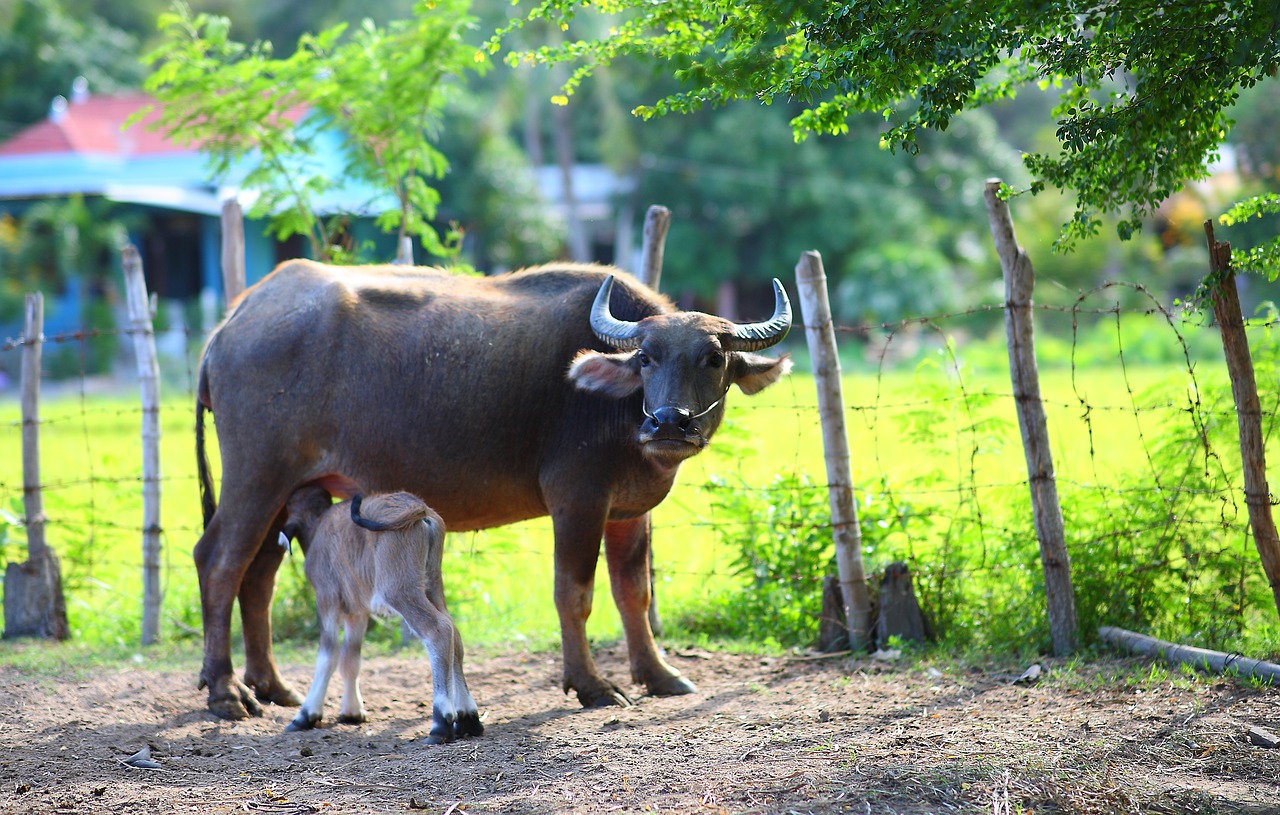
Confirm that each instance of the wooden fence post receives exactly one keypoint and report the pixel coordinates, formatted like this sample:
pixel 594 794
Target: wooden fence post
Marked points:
pixel 656 222
pixel 1019 282
pixel 820 333
pixel 1244 391
pixel 232 250
pixel 144 346
pixel 34 605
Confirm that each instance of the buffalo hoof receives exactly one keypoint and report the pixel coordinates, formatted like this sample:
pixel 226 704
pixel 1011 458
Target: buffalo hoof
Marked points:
pixel 606 695
pixel 234 703
pixel 303 721
pixel 281 695
pixel 468 724
pixel 671 686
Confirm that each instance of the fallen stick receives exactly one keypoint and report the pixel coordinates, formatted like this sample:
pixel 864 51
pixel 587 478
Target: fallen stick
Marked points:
pixel 1203 658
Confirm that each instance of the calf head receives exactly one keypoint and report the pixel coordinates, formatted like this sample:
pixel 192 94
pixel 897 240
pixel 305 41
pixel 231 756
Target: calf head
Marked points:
pixel 683 363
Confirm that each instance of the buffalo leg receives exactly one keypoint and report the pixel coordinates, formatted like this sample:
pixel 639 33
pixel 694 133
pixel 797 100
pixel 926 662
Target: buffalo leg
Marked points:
pixel 256 590
pixel 220 565
pixel 577 549
pixel 626 548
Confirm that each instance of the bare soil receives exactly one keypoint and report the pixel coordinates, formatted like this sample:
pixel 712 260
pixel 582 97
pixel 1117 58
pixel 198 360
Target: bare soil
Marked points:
pixel 766 735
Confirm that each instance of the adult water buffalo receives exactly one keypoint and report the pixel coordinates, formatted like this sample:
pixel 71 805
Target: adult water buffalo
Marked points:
pixel 567 390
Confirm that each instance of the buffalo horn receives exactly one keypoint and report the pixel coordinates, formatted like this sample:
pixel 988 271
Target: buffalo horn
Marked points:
pixel 621 334
pixel 755 336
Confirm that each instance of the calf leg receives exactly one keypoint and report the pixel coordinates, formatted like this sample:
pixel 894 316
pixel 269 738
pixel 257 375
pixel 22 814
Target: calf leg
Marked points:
pixel 626 546
pixel 577 549
pixel 312 710
pixel 467 721
pixel 352 711
pixel 256 590
pixel 435 628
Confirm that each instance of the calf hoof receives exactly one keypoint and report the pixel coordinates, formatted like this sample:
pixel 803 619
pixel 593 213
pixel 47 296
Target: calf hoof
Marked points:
pixel 234 702
pixel 671 686
pixel 441 729
pixel 303 721
pixel 468 724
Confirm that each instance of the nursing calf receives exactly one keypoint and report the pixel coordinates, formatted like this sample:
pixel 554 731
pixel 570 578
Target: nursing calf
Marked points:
pixel 377 556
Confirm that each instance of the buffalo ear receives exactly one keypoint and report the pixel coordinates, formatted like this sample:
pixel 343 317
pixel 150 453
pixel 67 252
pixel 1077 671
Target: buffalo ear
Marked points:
pixel 612 375
pixel 754 373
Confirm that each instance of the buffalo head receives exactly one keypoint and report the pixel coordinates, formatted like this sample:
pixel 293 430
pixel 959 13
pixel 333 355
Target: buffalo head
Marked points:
pixel 683 363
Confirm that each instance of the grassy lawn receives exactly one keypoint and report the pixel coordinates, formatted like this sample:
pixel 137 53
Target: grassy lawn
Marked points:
pixel 902 424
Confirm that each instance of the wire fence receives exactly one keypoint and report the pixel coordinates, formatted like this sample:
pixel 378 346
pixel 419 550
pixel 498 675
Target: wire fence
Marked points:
pixel 1140 414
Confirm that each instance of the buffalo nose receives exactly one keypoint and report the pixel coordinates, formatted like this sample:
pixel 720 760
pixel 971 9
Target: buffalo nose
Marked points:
pixel 672 416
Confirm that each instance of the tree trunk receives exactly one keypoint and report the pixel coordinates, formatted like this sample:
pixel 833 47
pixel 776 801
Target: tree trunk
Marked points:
pixel 34 605
pixel 821 336
pixel 1244 390
pixel 1019 282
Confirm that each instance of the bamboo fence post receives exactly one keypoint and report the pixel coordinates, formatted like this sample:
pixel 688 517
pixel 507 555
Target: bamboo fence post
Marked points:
pixel 1244 391
pixel 1019 283
pixel 820 333
pixel 233 275
pixel 34 605
pixel 144 345
pixel 656 222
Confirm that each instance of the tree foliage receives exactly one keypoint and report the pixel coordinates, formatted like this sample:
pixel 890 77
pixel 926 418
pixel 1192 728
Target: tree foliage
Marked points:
pixel 1144 86
pixel 380 90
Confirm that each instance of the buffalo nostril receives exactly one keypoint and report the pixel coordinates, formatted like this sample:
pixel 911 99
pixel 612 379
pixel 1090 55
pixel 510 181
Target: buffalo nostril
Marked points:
pixel 672 416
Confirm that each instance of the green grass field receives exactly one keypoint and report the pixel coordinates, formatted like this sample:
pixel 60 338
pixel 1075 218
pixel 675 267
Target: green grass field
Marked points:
pixel 947 441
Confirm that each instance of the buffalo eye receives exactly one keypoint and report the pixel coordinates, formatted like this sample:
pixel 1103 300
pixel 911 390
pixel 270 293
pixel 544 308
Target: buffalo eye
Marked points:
pixel 643 359
pixel 715 359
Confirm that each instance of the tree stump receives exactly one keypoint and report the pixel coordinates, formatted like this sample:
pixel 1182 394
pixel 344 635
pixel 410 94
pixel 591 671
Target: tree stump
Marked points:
pixel 899 613
pixel 33 601
pixel 833 634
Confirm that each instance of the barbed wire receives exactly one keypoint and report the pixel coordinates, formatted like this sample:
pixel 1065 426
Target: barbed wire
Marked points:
pixel 89 497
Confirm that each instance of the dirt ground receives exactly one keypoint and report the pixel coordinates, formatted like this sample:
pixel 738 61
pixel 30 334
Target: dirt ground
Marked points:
pixel 763 735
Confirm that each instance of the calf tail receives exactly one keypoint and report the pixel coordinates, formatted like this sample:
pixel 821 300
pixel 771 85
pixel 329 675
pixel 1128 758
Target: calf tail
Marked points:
pixel 396 510
pixel 208 504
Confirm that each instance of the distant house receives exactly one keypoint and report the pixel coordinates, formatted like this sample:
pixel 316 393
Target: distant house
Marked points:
pixel 82 148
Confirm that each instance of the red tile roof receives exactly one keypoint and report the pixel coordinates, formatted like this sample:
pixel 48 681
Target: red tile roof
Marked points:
pixel 94 126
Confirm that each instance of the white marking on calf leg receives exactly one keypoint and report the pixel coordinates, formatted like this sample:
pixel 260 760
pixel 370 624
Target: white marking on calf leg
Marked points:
pixel 352 704
pixel 435 628
pixel 312 710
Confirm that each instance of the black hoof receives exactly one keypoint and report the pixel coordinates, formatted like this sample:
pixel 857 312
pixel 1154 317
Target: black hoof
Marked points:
pixel 671 686
pixel 468 724
pixel 358 718
pixel 303 721
pixel 441 728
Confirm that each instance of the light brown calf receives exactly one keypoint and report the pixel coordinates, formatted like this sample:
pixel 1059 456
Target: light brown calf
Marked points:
pixel 374 556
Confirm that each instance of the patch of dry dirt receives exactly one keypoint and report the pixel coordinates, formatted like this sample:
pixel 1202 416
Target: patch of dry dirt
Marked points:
pixel 767 735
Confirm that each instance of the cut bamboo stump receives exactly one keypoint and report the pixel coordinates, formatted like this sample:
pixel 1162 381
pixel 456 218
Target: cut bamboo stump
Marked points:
pixel 34 605
pixel 899 613
pixel 1202 658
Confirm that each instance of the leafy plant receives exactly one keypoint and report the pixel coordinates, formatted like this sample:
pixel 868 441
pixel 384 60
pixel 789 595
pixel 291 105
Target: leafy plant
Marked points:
pixel 378 92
